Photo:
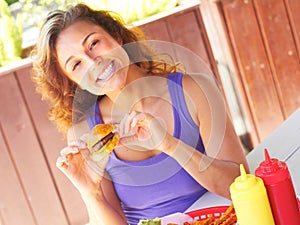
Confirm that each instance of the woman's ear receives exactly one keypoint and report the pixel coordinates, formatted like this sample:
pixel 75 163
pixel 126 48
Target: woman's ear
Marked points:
pixel 119 40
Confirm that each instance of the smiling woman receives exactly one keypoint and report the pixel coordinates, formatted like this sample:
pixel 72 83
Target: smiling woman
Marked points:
pixel 51 80
pixel 95 61
pixel 97 71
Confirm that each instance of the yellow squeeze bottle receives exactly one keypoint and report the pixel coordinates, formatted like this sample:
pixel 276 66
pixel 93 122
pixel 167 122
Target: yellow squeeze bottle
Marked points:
pixel 250 200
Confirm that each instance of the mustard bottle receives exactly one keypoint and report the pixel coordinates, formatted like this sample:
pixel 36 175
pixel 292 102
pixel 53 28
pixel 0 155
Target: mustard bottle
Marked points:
pixel 250 200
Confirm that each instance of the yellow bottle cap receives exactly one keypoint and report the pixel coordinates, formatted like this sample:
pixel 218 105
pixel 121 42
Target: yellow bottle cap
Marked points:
pixel 244 181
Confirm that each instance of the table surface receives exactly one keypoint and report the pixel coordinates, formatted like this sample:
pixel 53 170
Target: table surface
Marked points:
pixel 283 144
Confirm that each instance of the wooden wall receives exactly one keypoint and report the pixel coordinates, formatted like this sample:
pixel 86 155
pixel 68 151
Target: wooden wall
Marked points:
pixel 183 26
pixel 32 190
pixel 260 42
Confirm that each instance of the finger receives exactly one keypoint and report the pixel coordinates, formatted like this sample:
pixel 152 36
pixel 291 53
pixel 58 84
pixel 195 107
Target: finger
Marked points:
pixel 69 150
pixel 138 119
pixel 122 125
pixel 79 143
pixel 128 125
pixel 113 122
pixel 61 163
pixel 67 162
pixel 86 153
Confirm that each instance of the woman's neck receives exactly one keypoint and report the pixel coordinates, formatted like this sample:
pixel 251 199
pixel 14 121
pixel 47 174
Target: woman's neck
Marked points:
pixel 140 88
pixel 134 73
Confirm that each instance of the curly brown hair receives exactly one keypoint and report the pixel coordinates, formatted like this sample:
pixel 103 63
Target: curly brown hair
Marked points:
pixel 56 87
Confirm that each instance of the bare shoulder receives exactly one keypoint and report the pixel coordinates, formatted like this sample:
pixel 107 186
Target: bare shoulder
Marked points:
pixel 199 83
pixel 207 104
pixel 201 89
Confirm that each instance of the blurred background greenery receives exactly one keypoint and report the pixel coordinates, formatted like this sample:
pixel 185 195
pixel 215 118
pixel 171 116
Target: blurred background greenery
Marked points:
pixel 20 19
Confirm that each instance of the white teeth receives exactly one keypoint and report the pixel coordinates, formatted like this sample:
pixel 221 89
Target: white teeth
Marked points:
pixel 106 72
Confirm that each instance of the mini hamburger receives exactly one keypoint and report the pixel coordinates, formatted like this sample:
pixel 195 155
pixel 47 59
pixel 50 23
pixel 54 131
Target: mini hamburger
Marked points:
pixel 102 139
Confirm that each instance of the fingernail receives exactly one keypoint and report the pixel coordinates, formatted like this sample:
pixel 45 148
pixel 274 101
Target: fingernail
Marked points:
pixel 74 142
pixel 78 143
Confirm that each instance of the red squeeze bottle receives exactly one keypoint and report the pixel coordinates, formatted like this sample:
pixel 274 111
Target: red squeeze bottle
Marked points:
pixel 280 190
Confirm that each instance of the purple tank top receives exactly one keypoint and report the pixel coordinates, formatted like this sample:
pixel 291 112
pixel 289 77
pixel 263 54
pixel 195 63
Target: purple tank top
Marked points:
pixel 157 186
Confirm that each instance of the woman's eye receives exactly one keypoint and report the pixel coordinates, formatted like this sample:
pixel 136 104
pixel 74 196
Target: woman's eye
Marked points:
pixel 93 44
pixel 75 65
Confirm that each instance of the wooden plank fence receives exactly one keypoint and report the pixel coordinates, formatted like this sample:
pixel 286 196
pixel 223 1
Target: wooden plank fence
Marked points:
pixel 257 40
pixel 32 190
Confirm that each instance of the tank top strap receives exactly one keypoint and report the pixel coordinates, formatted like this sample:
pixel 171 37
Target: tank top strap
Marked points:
pixel 184 125
pixel 93 115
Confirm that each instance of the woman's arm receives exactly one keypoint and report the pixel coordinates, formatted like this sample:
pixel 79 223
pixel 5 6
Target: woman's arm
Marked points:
pixel 96 189
pixel 224 152
pixel 104 208
pixel 215 173
pixel 216 169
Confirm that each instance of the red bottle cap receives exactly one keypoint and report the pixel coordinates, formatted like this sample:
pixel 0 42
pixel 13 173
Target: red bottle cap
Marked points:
pixel 272 170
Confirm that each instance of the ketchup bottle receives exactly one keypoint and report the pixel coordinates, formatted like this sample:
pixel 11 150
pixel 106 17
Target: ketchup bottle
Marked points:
pixel 250 200
pixel 281 193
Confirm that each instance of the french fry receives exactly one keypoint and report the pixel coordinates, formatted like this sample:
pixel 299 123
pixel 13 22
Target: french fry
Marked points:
pixel 207 221
pixel 227 215
pixel 228 218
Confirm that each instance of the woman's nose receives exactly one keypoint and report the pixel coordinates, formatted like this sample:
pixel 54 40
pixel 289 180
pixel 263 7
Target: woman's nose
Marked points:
pixel 93 60
pixel 98 59
pixel 94 64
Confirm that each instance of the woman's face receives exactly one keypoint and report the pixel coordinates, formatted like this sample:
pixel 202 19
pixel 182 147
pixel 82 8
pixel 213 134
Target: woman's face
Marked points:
pixel 93 59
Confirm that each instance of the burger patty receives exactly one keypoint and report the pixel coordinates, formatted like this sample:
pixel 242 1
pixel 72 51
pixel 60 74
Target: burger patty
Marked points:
pixel 102 141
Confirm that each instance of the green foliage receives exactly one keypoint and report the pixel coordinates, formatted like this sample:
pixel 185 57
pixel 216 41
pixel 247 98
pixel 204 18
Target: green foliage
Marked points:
pixel 33 12
pixel 133 10
pixel 10 36
pixel 9 2
pixel 129 10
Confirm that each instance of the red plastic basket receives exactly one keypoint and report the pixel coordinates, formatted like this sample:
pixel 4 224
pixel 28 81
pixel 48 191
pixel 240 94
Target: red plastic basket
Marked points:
pixel 202 214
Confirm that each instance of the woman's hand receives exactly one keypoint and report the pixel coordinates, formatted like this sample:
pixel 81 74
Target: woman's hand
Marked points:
pixel 85 174
pixel 142 131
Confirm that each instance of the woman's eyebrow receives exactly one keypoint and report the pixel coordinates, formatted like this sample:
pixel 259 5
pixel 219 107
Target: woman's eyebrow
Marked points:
pixel 68 61
pixel 86 37
pixel 82 43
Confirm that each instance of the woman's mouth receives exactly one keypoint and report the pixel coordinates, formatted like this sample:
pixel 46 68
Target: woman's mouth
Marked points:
pixel 107 73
